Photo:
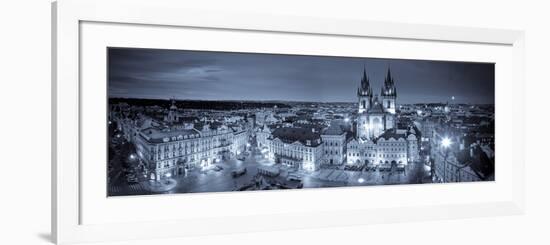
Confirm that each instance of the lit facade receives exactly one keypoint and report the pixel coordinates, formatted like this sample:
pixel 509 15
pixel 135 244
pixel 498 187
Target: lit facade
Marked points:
pixel 299 148
pixel 378 141
pixel 398 147
pixel 262 135
pixel 375 115
pixel 334 144
pixel 169 150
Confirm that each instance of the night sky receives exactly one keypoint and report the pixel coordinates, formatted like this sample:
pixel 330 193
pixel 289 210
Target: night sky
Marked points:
pixel 200 75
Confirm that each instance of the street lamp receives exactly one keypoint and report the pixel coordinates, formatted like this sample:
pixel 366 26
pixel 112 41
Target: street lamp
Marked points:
pixel 446 143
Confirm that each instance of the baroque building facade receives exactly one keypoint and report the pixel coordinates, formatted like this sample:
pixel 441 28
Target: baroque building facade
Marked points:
pixel 334 144
pixel 168 148
pixel 296 147
pixel 169 151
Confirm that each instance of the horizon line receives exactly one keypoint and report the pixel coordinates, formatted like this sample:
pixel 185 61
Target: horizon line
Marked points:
pixel 294 101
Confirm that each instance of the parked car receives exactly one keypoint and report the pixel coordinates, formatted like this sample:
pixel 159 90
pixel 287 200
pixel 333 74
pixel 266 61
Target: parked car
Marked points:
pixel 293 177
pixel 131 179
pixel 271 171
pixel 238 172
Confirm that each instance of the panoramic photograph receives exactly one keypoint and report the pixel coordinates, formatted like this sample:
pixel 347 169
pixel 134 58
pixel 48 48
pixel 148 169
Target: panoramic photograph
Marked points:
pixel 183 121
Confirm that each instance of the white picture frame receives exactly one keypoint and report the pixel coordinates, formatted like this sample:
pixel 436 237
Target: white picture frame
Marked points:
pixel 68 197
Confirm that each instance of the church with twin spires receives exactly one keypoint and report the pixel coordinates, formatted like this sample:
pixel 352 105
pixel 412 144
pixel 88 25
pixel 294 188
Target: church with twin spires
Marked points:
pixel 376 114
pixel 378 141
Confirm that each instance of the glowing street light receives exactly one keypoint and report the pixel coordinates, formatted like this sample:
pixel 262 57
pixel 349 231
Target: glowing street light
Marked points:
pixel 346 119
pixel 361 180
pixel 446 142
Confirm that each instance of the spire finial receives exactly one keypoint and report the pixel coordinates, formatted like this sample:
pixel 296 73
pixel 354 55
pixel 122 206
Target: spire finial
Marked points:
pixel 364 79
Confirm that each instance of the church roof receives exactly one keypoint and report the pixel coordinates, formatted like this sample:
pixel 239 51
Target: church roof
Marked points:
pixel 303 135
pixel 392 134
pixel 334 129
pixel 376 108
pixel 158 135
pixel 482 165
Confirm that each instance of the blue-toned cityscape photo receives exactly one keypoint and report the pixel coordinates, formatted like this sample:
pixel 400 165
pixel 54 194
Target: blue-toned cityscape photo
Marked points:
pixel 201 121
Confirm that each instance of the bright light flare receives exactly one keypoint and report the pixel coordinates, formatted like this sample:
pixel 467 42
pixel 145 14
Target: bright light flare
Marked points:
pixel 361 180
pixel 446 142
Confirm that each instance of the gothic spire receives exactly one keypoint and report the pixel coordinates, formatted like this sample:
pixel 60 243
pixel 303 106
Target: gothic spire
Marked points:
pixel 389 79
pixel 365 88
pixel 389 85
pixel 364 79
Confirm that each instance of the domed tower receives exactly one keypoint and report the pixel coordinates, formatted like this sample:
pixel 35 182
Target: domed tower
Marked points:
pixel 172 113
pixel 364 93
pixel 389 94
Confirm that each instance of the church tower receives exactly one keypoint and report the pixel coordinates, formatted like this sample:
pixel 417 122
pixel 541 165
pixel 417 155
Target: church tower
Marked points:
pixel 172 113
pixel 364 93
pixel 389 94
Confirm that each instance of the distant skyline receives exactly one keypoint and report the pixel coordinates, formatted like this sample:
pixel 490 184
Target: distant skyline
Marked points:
pixel 205 75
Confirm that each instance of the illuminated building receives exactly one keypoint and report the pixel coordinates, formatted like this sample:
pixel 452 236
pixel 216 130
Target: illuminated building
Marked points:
pixel 299 148
pixel 334 143
pixel 169 150
pixel 378 141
